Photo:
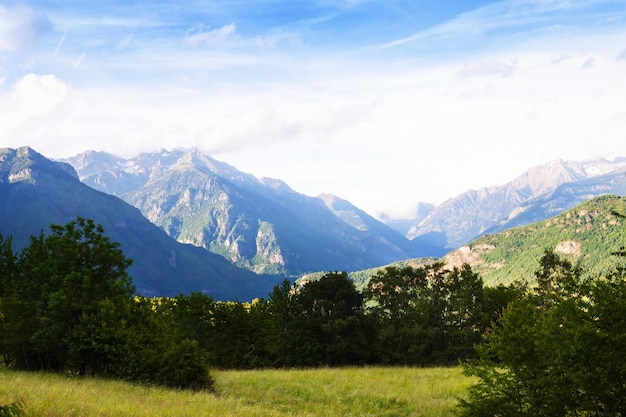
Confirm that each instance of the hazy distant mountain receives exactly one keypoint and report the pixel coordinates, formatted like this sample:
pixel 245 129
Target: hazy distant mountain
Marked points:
pixel 36 192
pixel 403 225
pixel 259 224
pixel 539 193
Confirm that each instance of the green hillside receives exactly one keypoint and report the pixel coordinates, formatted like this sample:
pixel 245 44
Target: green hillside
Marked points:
pixel 588 233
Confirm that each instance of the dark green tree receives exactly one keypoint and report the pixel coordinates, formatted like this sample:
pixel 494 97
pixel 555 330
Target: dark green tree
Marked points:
pixel 464 317
pixel 428 315
pixel 68 302
pixel 234 340
pixel 281 314
pixel 329 327
pixel 556 352
pixel 398 298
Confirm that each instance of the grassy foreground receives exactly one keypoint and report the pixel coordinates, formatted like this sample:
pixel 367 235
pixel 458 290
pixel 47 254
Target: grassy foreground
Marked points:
pixel 390 392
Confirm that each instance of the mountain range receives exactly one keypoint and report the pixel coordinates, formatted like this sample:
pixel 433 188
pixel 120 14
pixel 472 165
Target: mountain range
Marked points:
pixel 539 193
pixel 259 224
pixel 589 234
pixel 36 192
pixel 192 223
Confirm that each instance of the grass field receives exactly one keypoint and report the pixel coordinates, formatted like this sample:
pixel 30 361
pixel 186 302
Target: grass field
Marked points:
pixel 390 392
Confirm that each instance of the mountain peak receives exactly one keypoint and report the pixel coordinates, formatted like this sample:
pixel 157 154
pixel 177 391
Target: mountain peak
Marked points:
pixel 26 165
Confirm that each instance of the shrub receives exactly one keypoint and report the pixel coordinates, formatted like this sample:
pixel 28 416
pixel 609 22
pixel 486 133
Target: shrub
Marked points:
pixel 184 367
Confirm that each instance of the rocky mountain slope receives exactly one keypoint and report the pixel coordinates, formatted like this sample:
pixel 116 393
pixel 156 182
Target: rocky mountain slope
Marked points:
pixel 589 233
pixel 539 193
pixel 259 224
pixel 36 192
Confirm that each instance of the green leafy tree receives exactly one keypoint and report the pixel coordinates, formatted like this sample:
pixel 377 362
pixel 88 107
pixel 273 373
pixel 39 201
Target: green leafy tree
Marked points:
pixel 281 314
pixel 69 300
pixel 464 317
pixel 150 333
pixel 397 299
pixel 234 342
pixel 16 408
pixel 329 327
pixel 556 352
pixel 430 314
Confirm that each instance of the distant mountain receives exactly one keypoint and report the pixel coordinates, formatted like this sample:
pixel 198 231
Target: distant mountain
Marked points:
pixel 539 193
pixel 404 225
pixel 259 224
pixel 562 198
pixel 36 192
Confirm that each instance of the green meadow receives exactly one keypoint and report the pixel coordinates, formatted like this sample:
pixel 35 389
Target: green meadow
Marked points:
pixel 369 391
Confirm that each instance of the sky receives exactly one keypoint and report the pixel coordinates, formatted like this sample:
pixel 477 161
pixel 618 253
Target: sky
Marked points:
pixel 385 103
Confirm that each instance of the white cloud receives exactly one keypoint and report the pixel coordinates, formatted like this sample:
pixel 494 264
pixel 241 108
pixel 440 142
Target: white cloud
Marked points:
pixel 38 94
pixel 33 99
pixel 488 68
pixel 198 37
pixel 589 63
pixel 19 26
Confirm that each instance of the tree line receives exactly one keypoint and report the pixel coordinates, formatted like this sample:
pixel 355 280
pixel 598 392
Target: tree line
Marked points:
pixel 552 348
pixel 69 305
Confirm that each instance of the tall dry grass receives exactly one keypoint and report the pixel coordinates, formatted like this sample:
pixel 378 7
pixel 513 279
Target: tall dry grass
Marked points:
pixel 371 391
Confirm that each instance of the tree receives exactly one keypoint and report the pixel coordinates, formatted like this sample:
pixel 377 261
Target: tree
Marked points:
pixel 329 326
pixel 67 303
pixel 429 314
pixel 556 352
pixel 398 299
pixel 281 314
pixel 464 316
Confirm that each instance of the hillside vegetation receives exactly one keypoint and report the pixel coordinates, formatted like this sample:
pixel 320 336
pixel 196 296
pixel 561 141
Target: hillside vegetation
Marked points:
pixel 586 234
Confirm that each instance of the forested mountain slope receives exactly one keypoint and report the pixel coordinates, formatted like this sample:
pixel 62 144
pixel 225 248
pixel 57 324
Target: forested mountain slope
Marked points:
pixel 588 233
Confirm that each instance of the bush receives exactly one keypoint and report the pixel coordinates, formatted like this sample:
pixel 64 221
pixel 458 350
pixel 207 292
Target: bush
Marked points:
pixel 184 367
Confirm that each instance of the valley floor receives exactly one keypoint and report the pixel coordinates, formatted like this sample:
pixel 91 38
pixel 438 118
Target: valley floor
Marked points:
pixel 369 391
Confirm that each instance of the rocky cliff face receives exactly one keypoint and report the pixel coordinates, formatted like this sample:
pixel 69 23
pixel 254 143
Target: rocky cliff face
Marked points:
pixel 259 224
pixel 36 192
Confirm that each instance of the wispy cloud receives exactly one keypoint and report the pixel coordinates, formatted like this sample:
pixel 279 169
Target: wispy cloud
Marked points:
pixel 19 25
pixel 488 68
pixel 198 36
pixel 512 16
pixel 304 86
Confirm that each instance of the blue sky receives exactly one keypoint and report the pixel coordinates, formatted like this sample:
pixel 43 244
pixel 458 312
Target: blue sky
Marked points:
pixel 384 103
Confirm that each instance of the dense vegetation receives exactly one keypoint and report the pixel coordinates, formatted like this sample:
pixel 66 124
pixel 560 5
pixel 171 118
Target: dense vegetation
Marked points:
pixel 558 351
pixel 70 306
pixel 591 227
pixel 552 348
